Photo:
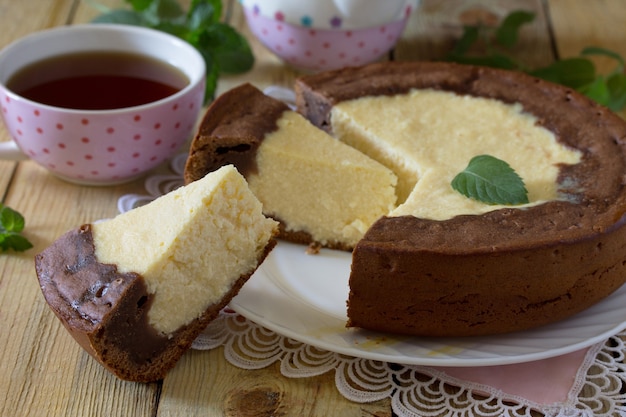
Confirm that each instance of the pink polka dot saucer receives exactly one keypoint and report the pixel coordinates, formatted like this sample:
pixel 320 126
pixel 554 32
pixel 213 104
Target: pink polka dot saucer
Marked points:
pixel 328 34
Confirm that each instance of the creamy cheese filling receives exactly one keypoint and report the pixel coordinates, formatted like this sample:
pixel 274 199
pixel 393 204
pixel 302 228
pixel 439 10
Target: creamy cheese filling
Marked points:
pixel 190 245
pixel 333 191
pixel 427 137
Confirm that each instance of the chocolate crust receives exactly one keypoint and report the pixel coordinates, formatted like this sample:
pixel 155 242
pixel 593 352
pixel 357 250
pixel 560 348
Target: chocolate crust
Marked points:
pixel 231 131
pixel 440 291
pixel 316 94
pixel 106 311
pixel 506 270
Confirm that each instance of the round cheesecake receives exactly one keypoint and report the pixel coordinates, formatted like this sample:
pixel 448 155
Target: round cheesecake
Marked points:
pixel 506 269
pixel 434 263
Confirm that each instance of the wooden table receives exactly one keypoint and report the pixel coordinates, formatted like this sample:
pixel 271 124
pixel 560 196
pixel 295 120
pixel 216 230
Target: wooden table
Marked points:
pixel 43 372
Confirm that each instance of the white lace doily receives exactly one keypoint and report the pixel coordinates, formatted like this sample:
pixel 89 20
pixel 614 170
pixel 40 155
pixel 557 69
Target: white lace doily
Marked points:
pixel 415 391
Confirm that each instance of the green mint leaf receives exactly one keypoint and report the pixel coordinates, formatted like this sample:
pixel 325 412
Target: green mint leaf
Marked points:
pixel 492 181
pixel 204 13
pixel 212 75
pixel 223 48
pixel 595 50
pixel 11 220
pixel 578 73
pixel 139 5
pixel 122 17
pixel 175 29
pixel 14 241
pixel 160 11
pixel 570 72
pixel 616 84
pixel 230 49
pixel 168 10
pixel 462 46
pixel 597 90
pixel 11 224
pixel 508 31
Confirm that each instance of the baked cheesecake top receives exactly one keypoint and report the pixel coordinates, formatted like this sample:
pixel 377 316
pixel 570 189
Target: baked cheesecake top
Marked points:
pixel 591 191
pixel 428 136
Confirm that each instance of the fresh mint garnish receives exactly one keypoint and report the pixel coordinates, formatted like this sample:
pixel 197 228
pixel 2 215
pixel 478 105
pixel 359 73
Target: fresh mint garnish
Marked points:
pixel 492 181
pixel 578 73
pixel 11 226
pixel 225 51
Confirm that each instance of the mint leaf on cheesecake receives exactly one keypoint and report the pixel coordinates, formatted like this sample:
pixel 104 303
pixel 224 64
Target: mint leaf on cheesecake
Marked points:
pixel 492 181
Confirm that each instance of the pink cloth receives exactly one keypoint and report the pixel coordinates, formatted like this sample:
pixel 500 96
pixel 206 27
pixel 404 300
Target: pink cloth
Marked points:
pixel 543 382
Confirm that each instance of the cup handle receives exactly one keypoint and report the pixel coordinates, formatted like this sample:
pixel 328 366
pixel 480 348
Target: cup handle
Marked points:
pixel 10 151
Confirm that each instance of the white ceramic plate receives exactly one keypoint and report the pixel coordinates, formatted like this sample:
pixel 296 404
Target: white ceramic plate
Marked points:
pixel 303 297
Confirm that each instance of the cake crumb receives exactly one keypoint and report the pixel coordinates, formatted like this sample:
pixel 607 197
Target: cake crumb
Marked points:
pixel 313 248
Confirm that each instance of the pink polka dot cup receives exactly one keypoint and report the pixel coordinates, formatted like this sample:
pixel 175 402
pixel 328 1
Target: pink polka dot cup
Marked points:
pixel 328 34
pixel 100 147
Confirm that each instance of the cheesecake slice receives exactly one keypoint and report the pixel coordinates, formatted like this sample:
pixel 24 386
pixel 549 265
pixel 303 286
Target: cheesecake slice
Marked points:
pixel 322 191
pixel 136 290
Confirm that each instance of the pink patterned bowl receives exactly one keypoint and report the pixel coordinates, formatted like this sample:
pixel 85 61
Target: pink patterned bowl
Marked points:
pixel 100 147
pixel 318 48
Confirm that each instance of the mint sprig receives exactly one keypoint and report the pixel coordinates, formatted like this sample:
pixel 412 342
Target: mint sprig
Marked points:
pixel 492 181
pixel 495 41
pixel 578 73
pixel 225 51
pixel 11 225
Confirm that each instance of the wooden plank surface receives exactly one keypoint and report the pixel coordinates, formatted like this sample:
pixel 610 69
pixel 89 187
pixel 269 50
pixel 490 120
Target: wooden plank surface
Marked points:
pixel 43 372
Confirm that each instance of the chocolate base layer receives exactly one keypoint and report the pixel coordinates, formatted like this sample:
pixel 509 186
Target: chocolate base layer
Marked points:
pixel 231 131
pixel 407 279
pixel 106 311
pixel 506 270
